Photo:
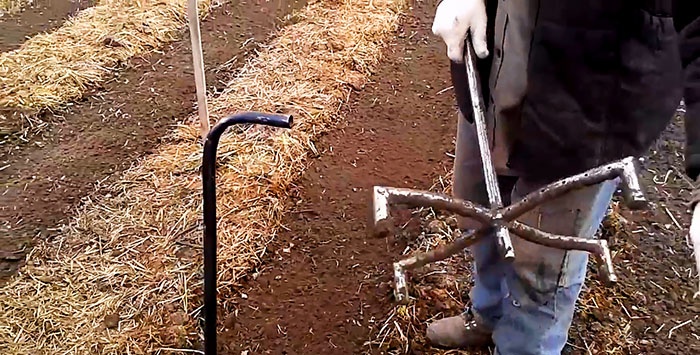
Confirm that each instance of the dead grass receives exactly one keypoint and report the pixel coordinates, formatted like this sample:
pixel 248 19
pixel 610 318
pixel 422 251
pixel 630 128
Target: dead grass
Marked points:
pixel 55 68
pixel 125 276
pixel 11 6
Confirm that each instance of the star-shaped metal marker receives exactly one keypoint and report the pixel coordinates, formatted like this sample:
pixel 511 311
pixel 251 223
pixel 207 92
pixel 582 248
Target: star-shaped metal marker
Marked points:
pixel 498 218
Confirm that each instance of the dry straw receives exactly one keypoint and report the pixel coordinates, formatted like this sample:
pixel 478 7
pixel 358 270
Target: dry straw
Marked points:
pixel 125 276
pixel 11 6
pixel 52 69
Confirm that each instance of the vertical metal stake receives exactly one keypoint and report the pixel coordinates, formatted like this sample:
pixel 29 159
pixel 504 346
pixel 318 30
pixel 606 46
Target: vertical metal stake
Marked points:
pixel 209 202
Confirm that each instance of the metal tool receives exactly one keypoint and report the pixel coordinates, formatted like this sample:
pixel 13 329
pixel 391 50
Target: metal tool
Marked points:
pixel 503 241
pixel 209 202
pixel 499 219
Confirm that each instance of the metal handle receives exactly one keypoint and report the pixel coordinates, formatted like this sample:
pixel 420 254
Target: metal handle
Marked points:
pixel 504 243
pixel 209 202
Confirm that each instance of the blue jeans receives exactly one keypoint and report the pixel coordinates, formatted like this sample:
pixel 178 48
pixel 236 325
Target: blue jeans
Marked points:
pixel 530 302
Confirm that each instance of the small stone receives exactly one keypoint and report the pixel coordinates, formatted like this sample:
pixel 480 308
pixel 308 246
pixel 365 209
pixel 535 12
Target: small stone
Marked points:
pixel 337 46
pixel 178 318
pixel 111 321
pixel 44 278
pixel 383 228
pixel 435 226
pixel 111 42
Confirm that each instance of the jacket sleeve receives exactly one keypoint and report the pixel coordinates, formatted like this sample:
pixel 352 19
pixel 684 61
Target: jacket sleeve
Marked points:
pixel 688 23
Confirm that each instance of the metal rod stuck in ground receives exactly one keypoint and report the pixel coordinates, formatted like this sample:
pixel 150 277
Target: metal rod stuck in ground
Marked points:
pixel 209 214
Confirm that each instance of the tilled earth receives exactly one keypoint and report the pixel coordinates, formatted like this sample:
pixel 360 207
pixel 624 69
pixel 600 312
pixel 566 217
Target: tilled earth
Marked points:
pixel 326 286
pixel 33 17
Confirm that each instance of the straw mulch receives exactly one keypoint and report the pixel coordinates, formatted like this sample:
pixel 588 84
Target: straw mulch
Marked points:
pixel 52 69
pixel 126 275
pixel 11 6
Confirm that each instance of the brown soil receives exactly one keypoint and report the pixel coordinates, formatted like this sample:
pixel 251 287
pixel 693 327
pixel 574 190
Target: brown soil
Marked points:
pixel 325 282
pixel 654 263
pixel 326 286
pixel 44 179
pixel 40 16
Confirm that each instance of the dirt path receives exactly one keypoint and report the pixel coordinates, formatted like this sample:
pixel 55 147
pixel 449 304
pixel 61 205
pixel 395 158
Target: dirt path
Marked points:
pixel 325 283
pixel 43 180
pixel 40 16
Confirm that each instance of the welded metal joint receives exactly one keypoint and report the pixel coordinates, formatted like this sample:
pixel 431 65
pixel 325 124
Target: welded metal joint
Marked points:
pixel 505 218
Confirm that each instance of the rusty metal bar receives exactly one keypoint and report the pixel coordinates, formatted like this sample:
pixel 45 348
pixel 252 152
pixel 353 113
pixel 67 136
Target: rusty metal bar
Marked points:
pixel 441 253
pixel 420 259
pixel 504 243
pixel 534 235
pixel 384 197
pixel 626 169
pixel 556 241
pixel 598 247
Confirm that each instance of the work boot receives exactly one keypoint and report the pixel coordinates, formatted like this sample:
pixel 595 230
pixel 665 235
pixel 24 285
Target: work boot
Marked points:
pixel 464 330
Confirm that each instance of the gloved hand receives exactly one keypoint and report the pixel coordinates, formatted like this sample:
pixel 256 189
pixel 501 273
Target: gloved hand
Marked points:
pixel 454 19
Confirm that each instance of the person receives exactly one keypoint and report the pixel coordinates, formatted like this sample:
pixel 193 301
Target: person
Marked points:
pixel 568 86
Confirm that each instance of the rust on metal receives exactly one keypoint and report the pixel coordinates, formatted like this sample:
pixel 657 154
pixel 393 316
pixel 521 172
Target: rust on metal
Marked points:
pixel 498 221
pixel 505 217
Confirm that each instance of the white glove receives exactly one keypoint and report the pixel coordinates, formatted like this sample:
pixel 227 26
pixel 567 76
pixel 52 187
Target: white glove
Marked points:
pixel 695 239
pixel 454 19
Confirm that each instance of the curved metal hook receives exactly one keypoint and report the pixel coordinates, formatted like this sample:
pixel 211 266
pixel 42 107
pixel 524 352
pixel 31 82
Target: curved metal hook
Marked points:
pixel 209 202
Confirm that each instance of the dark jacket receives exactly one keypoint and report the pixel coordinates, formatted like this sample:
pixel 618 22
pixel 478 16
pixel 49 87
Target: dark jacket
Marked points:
pixel 604 80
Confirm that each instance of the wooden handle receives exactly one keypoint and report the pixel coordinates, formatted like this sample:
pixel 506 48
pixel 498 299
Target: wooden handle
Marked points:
pixel 198 64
